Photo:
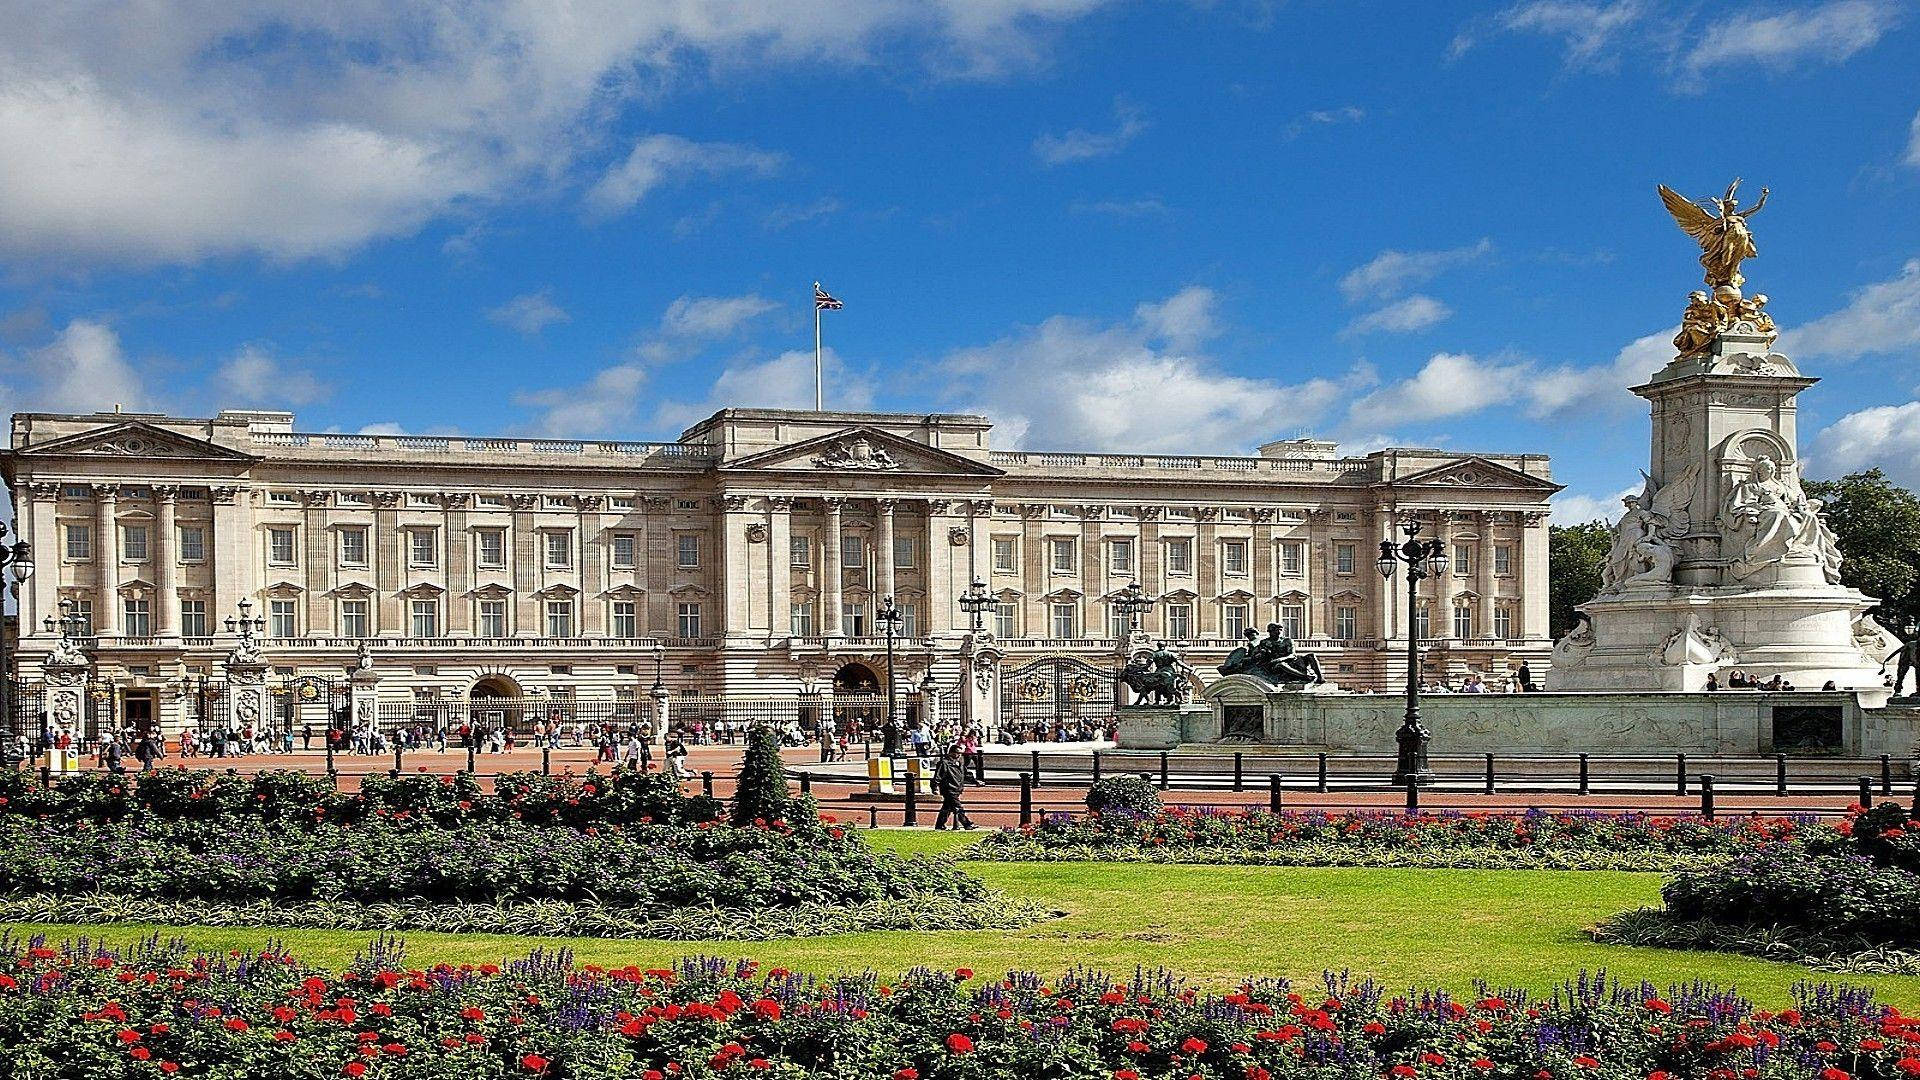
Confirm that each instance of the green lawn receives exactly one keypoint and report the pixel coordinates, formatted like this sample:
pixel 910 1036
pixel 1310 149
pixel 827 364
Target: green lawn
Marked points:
pixel 1212 924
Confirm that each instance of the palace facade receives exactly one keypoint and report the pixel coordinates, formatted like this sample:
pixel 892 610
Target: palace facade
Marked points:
pixel 754 550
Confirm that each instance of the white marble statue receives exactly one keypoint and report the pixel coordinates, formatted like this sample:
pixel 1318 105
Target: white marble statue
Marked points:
pixel 1768 520
pixel 1643 550
pixel 1696 644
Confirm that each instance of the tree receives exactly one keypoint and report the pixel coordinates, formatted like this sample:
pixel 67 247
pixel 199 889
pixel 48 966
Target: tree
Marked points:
pixel 1575 555
pixel 1877 525
pixel 762 790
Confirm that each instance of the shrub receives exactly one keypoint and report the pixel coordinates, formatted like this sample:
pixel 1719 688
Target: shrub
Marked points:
pixel 1124 795
pixel 1787 886
pixel 761 792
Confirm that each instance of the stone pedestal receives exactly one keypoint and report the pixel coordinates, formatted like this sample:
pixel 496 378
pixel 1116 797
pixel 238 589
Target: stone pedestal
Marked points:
pixel 1163 727
pixel 980 657
pixel 663 713
pixel 66 701
pixel 364 691
pixel 247 701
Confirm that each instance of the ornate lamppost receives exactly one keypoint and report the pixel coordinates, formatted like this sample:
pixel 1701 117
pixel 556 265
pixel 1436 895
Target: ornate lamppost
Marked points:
pixel 890 617
pixel 19 556
pixel 1422 559
pixel 248 624
pixel 659 657
pixel 1133 603
pixel 975 601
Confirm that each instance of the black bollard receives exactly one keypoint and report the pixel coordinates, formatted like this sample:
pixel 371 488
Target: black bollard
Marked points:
pixel 1914 814
pixel 1586 787
pixel 1026 798
pixel 470 752
pixel 1273 793
pixel 1679 774
pixel 1886 775
pixel 1489 774
pixel 1413 795
pixel 1163 770
pixel 46 777
pixel 706 784
pixel 397 763
pixel 980 766
pixel 393 774
pixel 1866 793
pixel 806 783
pixel 1237 785
pixel 1096 766
pixel 913 801
pixel 1780 775
pixel 1323 771
pixel 546 761
pixel 1706 796
pixel 1033 765
pixel 329 742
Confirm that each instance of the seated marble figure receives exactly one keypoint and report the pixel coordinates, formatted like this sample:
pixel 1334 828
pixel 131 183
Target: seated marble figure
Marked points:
pixel 1273 659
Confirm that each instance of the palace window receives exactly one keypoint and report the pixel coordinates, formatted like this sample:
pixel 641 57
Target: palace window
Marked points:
pixel 75 491
pixel 800 620
pixel 491 549
pixel 1003 555
pixel 354 620
pixel 353 546
pixel 623 551
pixel 83 611
pixel 491 502
pixel 559 549
pixel 193 618
pixel 1503 621
pixel 193 544
pixel 283 498
pixel 1005 619
pixel 423 547
pixel 1463 560
pixel 1343 558
pixel 557 502
pixel 909 620
pixel 626 619
pixel 280 619
pixel 1120 557
pixel 1502 560
pixel 280 547
pixel 853 618
pixel 853 551
pixel 1463 620
pixel 1423 620
pixel 1345 622
pixel 136 617
pixel 133 543
pixel 426 618
pixel 1233 619
pixel 1062 558
pixel 493 618
pixel 1180 556
pixel 906 553
pixel 799 551
pixel 353 498
pixel 1345 515
pixel 79 543
pixel 559 618
pixel 1233 555
pixel 1179 621
pixel 1066 620
pixel 1293 620
pixel 689 618
pixel 1293 558
pixel 1118 626
pixel 621 502
pixel 422 499
pixel 687 551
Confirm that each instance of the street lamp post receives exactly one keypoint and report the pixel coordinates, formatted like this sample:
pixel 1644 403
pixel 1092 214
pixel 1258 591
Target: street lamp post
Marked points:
pixel 19 556
pixel 659 657
pixel 890 617
pixel 1133 603
pixel 1423 559
pixel 975 601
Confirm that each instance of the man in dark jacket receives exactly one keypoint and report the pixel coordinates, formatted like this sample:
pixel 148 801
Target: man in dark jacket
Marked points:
pixel 950 779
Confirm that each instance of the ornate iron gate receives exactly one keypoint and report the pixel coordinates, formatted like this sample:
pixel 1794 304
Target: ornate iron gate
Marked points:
pixel 1053 692
pixel 303 700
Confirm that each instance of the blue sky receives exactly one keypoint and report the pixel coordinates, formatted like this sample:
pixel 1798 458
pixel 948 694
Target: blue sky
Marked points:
pixel 1148 226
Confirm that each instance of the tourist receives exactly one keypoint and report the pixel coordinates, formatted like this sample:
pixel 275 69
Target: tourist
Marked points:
pixel 1526 678
pixel 677 757
pixel 950 780
pixel 110 754
pixel 1474 685
pixel 1829 685
pixel 1713 681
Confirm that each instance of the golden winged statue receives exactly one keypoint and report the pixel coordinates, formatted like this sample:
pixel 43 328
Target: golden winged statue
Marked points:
pixel 1723 234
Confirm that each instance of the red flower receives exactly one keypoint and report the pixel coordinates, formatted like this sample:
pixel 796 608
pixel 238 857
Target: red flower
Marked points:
pixel 908 1073
pixel 1125 1074
pixel 959 1044
pixel 140 1053
pixel 168 1067
pixel 354 1068
pixel 767 1009
pixel 234 1023
pixel 1194 1045
pixel 472 1012
pixel 1586 1062
pixel 1481 1063
pixel 1831 1073
pixel 533 1063
pixel 128 1035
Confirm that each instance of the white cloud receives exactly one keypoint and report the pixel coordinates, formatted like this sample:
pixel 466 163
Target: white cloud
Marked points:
pixel 1887 436
pixel 176 130
pixel 383 427
pixel 783 382
pixel 529 313
pixel 787 216
pixel 254 376
pixel 1080 144
pixel 1590 30
pixel 604 405
pixel 1571 390
pixel 1404 316
pixel 1121 208
pixel 1140 385
pixel 82 370
pixel 1827 33
pixel 1392 272
pixel 1579 509
pixel 712 316
pixel 1913 142
pixel 1456 384
pixel 1883 317
pixel 1345 114
pixel 655 159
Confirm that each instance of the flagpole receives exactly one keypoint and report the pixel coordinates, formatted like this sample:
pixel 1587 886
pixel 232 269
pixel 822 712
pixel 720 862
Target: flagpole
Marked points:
pixel 818 401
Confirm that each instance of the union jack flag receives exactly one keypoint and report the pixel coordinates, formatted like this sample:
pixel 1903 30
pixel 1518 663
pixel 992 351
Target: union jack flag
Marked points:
pixel 823 301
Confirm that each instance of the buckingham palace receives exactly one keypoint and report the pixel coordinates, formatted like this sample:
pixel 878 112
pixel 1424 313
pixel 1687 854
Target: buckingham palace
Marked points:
pixel 747 556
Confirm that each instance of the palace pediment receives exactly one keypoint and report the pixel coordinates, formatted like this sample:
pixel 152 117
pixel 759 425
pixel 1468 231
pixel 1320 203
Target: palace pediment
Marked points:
pixel 1478 473
pixel 136 439
pixel 861 451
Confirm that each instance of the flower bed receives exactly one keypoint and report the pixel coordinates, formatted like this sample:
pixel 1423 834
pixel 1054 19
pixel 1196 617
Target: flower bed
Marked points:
pixel 1533 840
pixel 156 1010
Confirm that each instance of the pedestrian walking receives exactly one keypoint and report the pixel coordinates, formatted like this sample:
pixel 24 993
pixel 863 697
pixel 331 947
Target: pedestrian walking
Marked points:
pixel 950 780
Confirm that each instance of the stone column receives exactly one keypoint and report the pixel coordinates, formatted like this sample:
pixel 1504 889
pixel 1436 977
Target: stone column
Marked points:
pixel 232 569
pixel 780 567
pixel 1483 576
pixel 733 562
pixel 1209 616
pixel 106 558
pixel 883 545
pixel 1530 571
pixel 1391 621
pixel 1152 577
pixel 1440 622
pixel 1313 564
pixel 1263 554
pixel 365 693
pixel 938 572
pixel 165 562
pixel 42 590
pixel 830 568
